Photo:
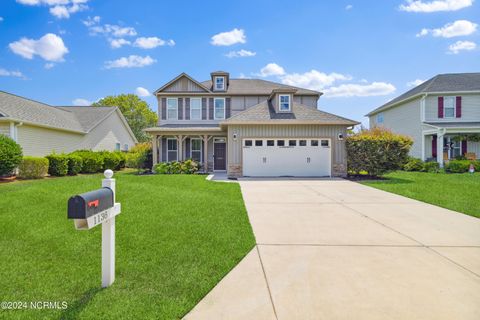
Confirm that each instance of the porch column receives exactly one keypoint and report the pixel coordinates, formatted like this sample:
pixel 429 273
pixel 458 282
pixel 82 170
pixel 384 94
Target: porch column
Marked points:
pixel 440 149
pixel 205 153
pixel 154 149
pixel 180 147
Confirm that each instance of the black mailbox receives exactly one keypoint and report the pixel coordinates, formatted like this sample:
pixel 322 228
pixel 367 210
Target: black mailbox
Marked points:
pixel 90 203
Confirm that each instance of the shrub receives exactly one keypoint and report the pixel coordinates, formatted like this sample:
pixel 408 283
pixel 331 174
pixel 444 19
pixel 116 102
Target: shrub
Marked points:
pixel 111 160
pixel 33 168
pixel 457 166
pixel 57 164
pixel 377 151
pixel 92 161
pixel 431 166
pixel 75 164
pixel 476 164
pixel 177 167
pixel 135 160
pixel 413 164
pixel 10 155
pixel 123 159
pixel 145 149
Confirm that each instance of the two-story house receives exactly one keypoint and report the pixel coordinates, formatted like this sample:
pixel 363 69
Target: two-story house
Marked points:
pixel 439 114
pixel 248 127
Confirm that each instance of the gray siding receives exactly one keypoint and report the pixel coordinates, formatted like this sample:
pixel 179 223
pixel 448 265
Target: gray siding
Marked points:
pixel 184 85
pixel 470 109
pixel 285 131
pixel 5 128
pixel 404 119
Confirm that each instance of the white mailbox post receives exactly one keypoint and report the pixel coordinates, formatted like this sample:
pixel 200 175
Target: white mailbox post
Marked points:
pixel 99 207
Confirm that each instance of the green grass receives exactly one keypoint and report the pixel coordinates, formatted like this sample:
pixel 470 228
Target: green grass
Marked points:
pixel 459 192
pixel 176 237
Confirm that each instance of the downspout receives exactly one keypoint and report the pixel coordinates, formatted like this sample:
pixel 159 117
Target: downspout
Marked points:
pixel 16 130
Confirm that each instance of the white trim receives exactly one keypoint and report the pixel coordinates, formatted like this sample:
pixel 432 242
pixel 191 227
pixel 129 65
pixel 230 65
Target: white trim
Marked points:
pixel 195 98
pixel 176 109
pixel 215 140
pixel 289 102
pixel 168 159
pixel 12 131
pixel 422 108
pixel 215 83
pixel 224 109
pixel 201 148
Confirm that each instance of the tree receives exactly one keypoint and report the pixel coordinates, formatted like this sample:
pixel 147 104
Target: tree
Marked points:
pixel 136 111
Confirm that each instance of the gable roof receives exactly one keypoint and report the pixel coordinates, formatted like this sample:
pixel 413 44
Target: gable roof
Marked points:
pixel 181 75
pixel 258 87
pixel 264 113
pixel 442 83
pixel 89 117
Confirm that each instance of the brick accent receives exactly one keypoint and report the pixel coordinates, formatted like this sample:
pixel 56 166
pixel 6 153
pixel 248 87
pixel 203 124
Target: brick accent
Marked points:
pixel 339 170
pixel 234 170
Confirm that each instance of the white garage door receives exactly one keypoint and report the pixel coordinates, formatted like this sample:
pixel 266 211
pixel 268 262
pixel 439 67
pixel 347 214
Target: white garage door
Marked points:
pixel 286 157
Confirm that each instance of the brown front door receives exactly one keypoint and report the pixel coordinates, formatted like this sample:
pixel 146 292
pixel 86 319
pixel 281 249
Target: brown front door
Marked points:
pixel 219 156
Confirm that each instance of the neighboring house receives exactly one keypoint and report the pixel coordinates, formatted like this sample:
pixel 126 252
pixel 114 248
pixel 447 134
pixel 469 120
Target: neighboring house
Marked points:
pixel 433 114
pixel 248 127
pixel 42 129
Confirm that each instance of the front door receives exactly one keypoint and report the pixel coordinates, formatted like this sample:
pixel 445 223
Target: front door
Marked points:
pixel 219 155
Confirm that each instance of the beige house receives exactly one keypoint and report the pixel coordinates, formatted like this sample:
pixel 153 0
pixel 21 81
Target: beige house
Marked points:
pixel 42 129
pixel 248 127
pixel 436 114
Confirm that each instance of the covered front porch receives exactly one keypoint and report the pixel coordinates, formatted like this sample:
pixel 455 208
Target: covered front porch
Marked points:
pixel 447 141
pixel 207 145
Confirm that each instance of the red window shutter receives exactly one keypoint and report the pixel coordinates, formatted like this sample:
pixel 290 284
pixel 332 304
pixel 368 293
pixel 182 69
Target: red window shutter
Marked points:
pixel 458 108
pixel 434 146
pixel 440 107
pixel 464 147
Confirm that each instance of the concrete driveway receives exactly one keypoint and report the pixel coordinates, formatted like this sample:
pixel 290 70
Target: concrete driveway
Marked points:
pixel 334 249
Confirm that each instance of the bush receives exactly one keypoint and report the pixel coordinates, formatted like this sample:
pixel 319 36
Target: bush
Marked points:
pixel 123 159
pixel 413 164
pixel 145 149
pixel 431 166
pixel 135 160
pixel 457 166
pixel 33 168
pixel 111 160
pixel 75 164
pixel 92 161
pixel 57 164
pixel 10 155
pixel 177 167
pixel 377 151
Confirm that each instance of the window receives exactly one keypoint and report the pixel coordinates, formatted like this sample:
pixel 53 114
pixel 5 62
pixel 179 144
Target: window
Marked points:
pixel 380 118
pixel 258 143
pixel 449 107
pixel 270 143
pixel 172 150
pixel 219 104
pixel 195 109
pixel 324 143
pixel 172 108
pixel 126 147
pixel 292 143
pixel 248 143
pixel 302 143
pixel 281 143
pixel 314 143
pixel 284 102
pixel 117 146
pixel 219 83
pixel 196 149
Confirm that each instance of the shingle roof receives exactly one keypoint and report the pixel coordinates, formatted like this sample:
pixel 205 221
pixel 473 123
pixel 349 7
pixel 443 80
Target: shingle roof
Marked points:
pixel 257 87
pixel 264 112
pixel 449 82
pixel 185 127
pixel 78 119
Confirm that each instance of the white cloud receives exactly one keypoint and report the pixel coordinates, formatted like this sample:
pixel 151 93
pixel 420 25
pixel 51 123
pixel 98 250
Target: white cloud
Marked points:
pixel 313 79
pixel 8 73
pixel 91 21
pixel 152 42
pixel 132 61
pixel 271 69
pixel 50 47
pixel 461 46
pixel 349 7
pixel 49 65
pixel 229 38
pixel 415 83
pixel 118 43
pixel 240 54
pixel 81 102
pixel 360 90
pixel 61 9
pixel 142 92
pixel 113 30
pixel 435 5
pixel 454 29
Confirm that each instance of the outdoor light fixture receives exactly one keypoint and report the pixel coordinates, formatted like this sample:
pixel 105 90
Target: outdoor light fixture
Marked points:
pixel 340 136
pixel 234 137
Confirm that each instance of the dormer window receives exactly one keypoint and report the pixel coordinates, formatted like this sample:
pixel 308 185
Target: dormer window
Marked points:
pixel 284 102
pixel 220 83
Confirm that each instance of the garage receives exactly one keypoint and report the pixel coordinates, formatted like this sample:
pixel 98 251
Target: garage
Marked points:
pixel 276 157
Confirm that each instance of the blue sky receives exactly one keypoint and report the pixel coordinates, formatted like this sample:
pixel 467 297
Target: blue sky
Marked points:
pixel 360 53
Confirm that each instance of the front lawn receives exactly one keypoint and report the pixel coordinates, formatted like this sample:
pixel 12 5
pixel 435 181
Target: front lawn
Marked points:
pixel 177 236
pixel 459 192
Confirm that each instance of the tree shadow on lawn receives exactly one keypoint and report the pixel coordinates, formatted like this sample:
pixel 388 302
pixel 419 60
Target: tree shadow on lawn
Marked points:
pixel 387 180
pixel 73 310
